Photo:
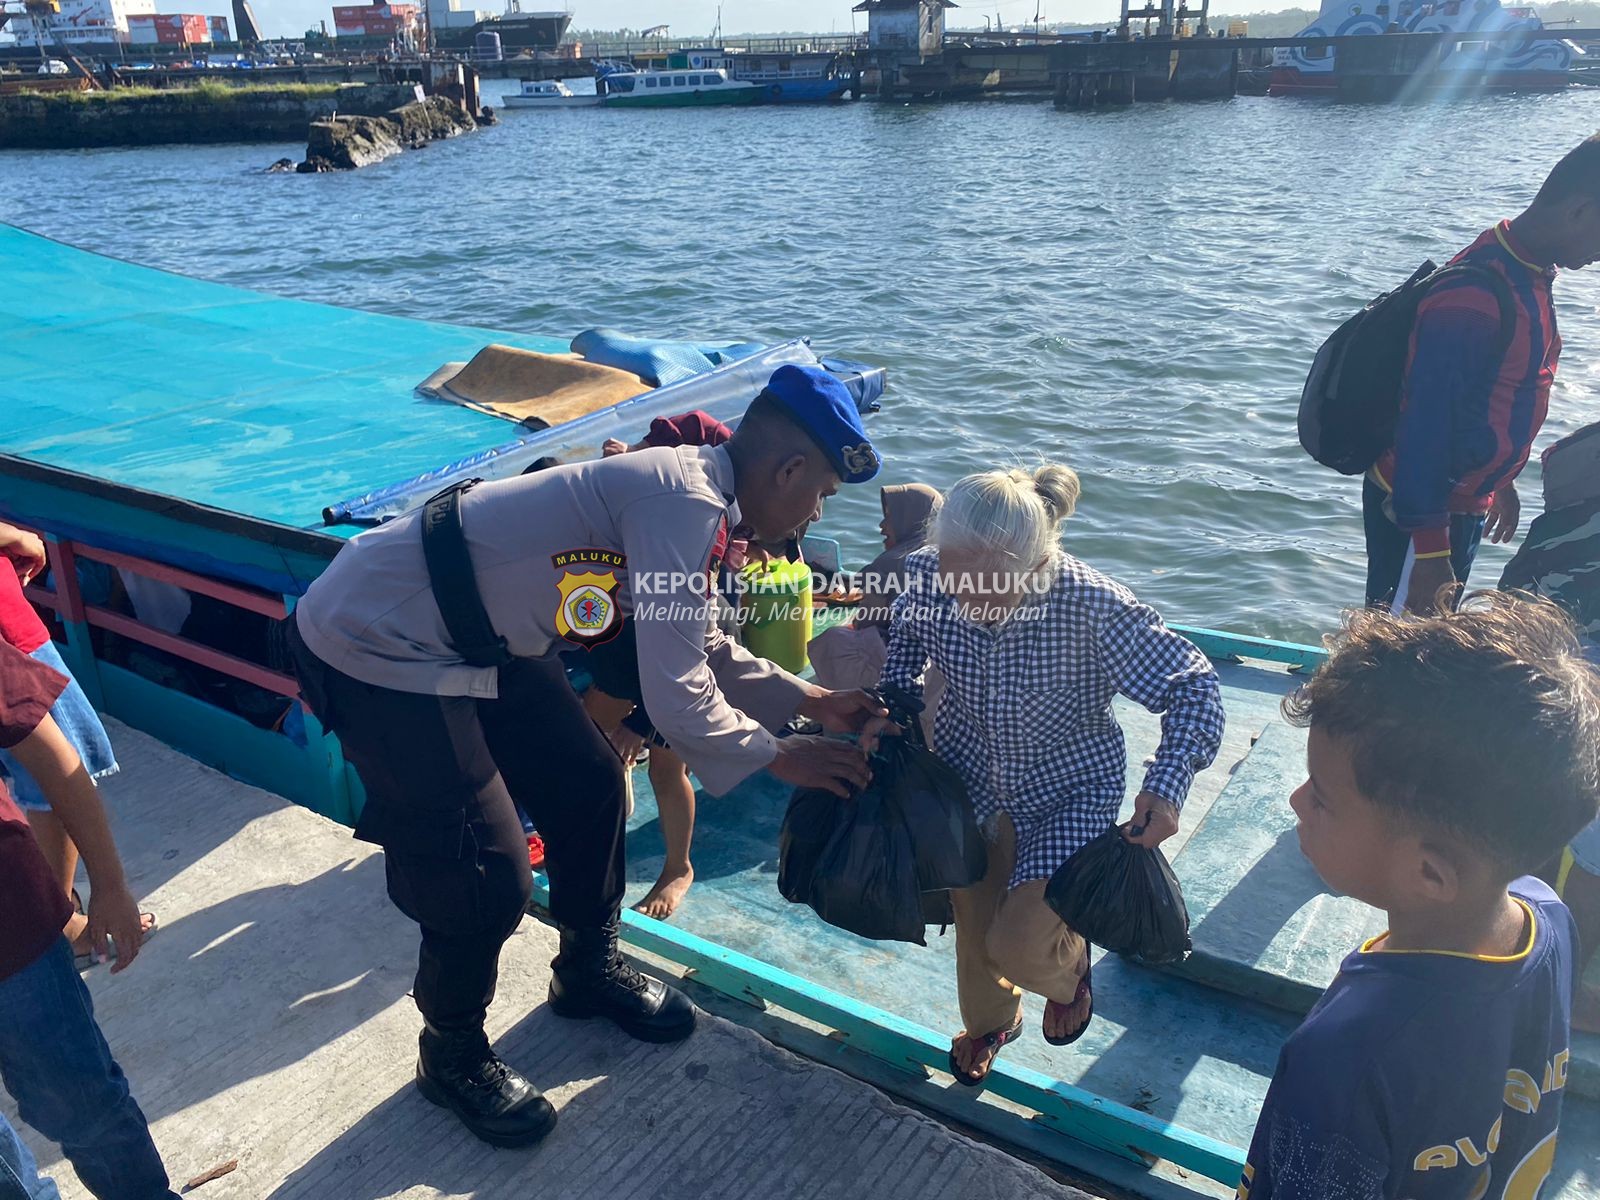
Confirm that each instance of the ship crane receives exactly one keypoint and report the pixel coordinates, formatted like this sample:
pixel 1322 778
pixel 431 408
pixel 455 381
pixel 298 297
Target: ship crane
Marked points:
pixel 40 14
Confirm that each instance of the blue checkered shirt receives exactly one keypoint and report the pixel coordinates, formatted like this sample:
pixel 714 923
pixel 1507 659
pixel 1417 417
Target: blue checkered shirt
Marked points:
pixel 1027 719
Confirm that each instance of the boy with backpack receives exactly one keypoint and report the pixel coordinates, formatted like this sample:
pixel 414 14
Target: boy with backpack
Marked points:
pixel 1435 1063
pixel 1437 390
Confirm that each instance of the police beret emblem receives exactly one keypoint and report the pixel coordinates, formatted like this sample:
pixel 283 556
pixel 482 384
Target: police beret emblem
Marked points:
pixel 859 458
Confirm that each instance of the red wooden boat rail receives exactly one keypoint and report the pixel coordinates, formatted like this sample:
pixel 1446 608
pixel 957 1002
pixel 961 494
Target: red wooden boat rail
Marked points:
pixel 67 602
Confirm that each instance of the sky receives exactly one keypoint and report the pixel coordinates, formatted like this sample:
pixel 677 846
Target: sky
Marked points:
pixel 687 18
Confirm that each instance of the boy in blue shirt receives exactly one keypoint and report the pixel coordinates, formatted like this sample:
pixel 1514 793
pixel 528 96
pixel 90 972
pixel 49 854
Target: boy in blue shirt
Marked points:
pixel 1448 758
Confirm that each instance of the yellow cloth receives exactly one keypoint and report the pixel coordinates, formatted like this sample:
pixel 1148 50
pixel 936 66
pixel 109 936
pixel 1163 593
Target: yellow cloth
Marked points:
pixel 538 390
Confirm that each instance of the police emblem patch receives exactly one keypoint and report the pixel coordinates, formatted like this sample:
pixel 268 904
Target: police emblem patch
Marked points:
pixel 858 459
pixel 588 612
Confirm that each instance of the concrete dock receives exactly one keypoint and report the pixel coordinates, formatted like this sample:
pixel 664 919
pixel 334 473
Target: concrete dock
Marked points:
pixel 268 1022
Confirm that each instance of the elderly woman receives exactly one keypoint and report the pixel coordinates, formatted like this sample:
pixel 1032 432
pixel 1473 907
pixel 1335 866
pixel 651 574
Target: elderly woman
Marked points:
pixel 1034 646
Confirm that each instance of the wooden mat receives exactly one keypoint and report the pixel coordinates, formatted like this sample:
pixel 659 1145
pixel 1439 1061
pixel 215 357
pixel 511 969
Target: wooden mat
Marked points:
pixel 537 390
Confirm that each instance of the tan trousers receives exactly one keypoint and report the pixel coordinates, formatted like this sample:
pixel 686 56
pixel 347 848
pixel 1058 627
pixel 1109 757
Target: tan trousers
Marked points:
pixel 1009 939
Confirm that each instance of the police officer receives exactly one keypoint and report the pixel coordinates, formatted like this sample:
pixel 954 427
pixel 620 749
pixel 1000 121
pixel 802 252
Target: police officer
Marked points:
pixel 429 646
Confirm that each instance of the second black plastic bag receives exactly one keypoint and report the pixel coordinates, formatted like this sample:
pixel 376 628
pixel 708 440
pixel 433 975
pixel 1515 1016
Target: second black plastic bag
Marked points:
pixel 1122 897
pixel 866 876
pixel 864 864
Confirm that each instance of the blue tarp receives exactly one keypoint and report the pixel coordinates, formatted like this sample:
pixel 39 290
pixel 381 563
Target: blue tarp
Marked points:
pixel 250 403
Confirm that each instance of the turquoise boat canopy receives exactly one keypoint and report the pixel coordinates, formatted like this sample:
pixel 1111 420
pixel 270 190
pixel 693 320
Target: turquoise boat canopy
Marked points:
pixel 255 405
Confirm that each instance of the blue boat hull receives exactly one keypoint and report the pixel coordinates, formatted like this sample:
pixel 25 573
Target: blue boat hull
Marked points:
pixel 803 91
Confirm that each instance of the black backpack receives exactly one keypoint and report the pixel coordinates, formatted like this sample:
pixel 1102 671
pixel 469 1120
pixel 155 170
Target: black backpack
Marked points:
pixel 1351 401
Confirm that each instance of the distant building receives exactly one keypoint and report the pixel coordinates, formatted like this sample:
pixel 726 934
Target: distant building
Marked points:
pixel 169 29
pixel 655 31
pixel 915 26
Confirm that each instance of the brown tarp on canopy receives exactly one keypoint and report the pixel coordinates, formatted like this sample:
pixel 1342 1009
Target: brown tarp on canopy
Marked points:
pixel 537 390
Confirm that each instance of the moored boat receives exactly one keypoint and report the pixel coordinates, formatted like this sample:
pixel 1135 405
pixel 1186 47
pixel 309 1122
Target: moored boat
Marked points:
pixel 548 93
pixel 675 89
pixel 798 77
pixel 1499 64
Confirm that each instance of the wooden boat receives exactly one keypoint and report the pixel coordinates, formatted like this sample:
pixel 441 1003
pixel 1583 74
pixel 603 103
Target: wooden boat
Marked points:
pixel 194 433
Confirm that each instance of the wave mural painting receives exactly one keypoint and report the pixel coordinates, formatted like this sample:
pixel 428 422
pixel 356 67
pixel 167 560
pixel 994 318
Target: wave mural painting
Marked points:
pixel 1509 64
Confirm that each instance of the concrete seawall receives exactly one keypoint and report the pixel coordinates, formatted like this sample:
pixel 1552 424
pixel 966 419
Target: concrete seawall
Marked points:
pixel 185 115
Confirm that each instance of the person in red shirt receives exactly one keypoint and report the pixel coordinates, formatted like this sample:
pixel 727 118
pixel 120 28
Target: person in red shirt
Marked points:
pixel 1476 392
pixel 53 1057
pixel 20 626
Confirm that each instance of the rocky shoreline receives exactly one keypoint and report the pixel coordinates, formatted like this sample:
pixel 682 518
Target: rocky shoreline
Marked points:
pixel 346 126
pixel 345 142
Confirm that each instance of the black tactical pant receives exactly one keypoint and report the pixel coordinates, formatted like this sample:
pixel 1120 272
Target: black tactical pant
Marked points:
pixel 440 774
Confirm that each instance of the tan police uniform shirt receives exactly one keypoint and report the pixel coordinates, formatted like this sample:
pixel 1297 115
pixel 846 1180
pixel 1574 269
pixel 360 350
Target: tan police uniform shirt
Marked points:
pixel 562 557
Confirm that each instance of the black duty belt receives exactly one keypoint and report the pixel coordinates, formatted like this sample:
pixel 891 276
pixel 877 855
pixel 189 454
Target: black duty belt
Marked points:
pixel 455 583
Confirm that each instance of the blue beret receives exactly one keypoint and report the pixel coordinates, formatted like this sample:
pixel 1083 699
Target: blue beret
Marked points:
pixel 821 405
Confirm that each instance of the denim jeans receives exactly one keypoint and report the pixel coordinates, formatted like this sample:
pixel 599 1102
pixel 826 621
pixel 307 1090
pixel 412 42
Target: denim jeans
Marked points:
pixel 19 1174
pixel 59 1070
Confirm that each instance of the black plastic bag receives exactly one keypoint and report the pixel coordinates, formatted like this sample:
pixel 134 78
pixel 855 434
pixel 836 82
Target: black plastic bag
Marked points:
pixel 881 863
pixel 865 880
pixel 813 817
pixel 933 800
pixel 1122 897
pixel 951 852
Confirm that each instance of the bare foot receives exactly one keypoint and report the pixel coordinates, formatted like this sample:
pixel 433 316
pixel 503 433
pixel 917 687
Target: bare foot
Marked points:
pixel 1586 1012
pixel 669 891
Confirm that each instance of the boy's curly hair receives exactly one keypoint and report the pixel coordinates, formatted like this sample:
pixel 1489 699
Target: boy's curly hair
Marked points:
pixel 1483 723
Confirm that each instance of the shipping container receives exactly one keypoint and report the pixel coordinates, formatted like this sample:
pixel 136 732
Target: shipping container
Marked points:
pixel 169 29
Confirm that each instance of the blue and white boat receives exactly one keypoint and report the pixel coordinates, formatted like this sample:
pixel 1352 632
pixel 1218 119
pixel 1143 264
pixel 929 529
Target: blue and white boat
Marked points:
pixel 798 77
pixel 1510 64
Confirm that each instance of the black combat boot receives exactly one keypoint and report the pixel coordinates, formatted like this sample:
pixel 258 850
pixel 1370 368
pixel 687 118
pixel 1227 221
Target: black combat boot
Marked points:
pixel 591 979
pixel 457 1070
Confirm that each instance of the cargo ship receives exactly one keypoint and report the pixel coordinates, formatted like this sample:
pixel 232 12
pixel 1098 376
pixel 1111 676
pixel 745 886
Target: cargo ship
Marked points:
pixel 457 29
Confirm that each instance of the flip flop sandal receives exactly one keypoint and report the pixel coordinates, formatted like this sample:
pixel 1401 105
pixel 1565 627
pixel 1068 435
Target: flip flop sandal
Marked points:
pixel 994 1041
pixel 1085 987
pixel 82 962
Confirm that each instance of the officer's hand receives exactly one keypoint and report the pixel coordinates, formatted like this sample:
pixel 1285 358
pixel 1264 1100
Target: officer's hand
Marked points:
pixel 854 711
pixel 817 762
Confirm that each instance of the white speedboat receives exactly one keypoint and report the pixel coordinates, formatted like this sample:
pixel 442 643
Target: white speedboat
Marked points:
pixel 548 93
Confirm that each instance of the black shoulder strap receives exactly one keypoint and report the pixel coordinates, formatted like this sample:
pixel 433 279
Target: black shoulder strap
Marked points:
pixel 455 584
